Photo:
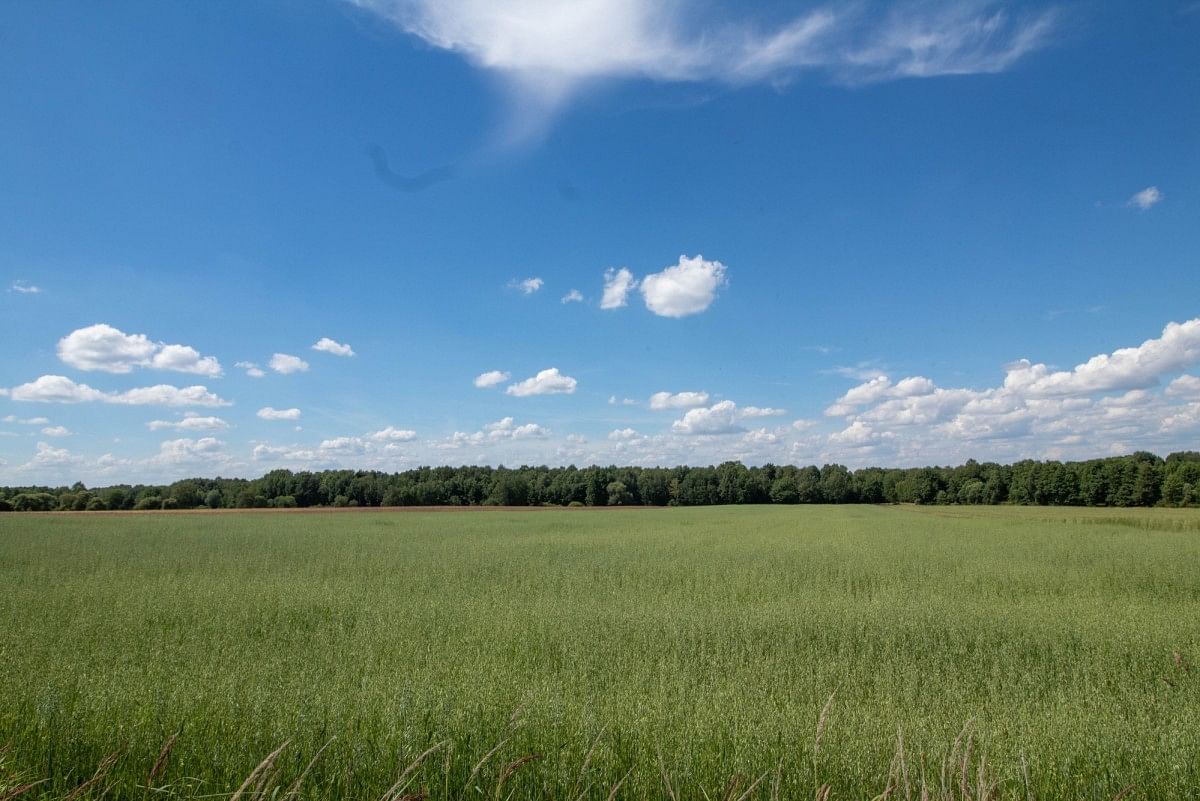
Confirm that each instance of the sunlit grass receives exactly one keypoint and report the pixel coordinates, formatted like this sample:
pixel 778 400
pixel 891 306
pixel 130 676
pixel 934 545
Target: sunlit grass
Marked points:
pixel 1061 638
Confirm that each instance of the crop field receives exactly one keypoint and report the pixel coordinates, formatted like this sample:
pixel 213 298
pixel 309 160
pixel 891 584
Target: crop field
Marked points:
pixel 724 652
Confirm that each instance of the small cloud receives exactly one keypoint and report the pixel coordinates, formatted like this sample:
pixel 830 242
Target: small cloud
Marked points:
pixel 286 364
pixel 190 422
pixel 548 382
pixel 529 285
pixel 393 434
pixel 574 296
pixel 269 413
pixel 617 284
pixel 623 434
pixel 56 431
pixel 491 378
pixel 252 369
pixel 613 400
pixel 327 345
pixel 688 287
pixel 1149 197
pixel 24 288
pixel 678 400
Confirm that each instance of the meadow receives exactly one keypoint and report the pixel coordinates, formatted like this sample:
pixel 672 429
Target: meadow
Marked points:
pixel 695 653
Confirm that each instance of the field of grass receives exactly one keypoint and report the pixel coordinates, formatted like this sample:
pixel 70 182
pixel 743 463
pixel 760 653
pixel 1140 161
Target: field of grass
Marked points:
pixel 1054 645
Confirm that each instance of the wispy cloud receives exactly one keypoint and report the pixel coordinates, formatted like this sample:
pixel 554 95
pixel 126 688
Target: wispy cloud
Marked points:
pixel 547 51
pixel 24 288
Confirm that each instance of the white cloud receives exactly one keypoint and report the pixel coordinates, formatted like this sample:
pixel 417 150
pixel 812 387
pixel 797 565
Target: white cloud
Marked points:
pixel 1126 368
pixel 24 288
pixel 613 400
pixel 27 421
pixel 876 389
pixel 762 411
pixel 56 431
pixel 189 422
pixel 617 284
pixel 720 418
pixel 1185 386
pixel 508 429
pixel 547 382
pixel 1146 199
pixel 623 434
pixel 574 296
pixel 102 347
pixel 190 451
pixel 678 400
pixel 286 364
pixel 344 445
pixel 491 378
pixel 547 51
pixel 269 413
pixel 393 434
pixel 529 285
pixel 327 345
pixel 49 456
pixel 60 389
pixel 252 369
pixel 856 434
pixel 688 287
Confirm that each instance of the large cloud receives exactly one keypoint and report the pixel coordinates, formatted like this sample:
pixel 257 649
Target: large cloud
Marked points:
pixel 688 287
pixel 102 347
pixel 546 50
pixel 60 389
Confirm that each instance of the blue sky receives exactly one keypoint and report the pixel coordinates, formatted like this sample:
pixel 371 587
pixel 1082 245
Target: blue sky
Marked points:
pixel 797 233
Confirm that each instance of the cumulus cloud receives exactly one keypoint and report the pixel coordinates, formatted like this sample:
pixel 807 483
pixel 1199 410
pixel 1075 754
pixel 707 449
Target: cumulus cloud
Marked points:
pixel 678 400
pixel 24 288
pixel 545 52
pixel 190 451
pixel 507 428
pixel 623 434
pixel 189 422
pixel 1146 199
pixel 286 364
pixel 327 345
pixel 252 369
pixel 720 418
pixel 56 431
pixel 491 378
pixel 1127 368
pixel 49 456
pixel 529 285
pixel 574 296
pixel 60 389
pixel 688 287
pixel 617 284
pixel 393 434
pixel 876 389
pixel 547 382
pixel 270 413
pixel 1185 386
pixel 102 347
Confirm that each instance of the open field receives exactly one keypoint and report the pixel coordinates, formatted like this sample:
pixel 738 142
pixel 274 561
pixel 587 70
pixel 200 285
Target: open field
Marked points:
pixel 1062 638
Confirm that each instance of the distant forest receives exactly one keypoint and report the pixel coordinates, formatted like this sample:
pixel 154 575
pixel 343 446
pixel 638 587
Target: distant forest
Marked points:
pixel 1141 479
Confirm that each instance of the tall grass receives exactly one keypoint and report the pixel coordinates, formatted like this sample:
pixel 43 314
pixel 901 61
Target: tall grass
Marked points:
pixel 682 654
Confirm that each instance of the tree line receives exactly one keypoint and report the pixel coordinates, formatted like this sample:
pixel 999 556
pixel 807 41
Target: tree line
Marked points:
pixel 1139 479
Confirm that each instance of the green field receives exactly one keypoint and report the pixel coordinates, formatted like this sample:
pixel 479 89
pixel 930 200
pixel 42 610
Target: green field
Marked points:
pixel 1059 638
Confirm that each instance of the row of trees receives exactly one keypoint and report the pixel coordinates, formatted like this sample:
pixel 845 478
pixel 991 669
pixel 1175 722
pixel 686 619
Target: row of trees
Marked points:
pixel 1141 479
